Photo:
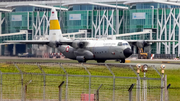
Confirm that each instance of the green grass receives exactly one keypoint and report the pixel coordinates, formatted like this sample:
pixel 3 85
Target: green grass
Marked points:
pixel 78 85
pixel 50 60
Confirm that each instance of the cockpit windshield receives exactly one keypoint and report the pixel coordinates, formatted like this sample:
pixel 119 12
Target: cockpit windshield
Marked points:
pixel 125 44
pixel 122 44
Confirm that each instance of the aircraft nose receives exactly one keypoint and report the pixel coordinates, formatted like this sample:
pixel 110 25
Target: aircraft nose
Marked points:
pixel 127 52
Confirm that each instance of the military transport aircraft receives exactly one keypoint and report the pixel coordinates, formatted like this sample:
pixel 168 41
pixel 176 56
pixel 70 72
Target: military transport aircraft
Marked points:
pixel 83 50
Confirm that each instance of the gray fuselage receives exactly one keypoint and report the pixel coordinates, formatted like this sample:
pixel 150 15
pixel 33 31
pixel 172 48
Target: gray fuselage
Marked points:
pixel 100 49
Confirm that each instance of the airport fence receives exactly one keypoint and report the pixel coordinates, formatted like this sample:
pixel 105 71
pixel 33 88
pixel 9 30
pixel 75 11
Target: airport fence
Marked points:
pixel 78 82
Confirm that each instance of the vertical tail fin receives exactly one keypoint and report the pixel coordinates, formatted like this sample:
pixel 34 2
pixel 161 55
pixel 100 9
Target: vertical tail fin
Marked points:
pixel 55 33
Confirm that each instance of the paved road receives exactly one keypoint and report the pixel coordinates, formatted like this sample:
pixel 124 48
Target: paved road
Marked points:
pixel 170 63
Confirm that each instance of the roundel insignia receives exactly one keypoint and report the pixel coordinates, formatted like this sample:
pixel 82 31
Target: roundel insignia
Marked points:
pixel 113 53
pixel 67 49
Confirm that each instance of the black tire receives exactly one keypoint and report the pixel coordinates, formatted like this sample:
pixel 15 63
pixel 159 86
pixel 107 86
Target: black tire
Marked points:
pixel 122 61
pixel 101 61
pixel 82 61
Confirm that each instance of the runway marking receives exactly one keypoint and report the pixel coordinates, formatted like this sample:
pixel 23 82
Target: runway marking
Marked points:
pixel 165 62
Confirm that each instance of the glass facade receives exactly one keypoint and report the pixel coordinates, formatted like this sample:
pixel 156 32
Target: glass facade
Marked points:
pixel 73 25
pixel 100 21
pixel 150 5
pixel 11 25
pixel 82 7
pixel 24 9
pixel 138 24
pixel 167 26
pixel 78 7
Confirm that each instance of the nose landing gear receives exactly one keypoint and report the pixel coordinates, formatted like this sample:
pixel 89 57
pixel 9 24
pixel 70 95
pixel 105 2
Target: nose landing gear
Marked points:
pixel 122 61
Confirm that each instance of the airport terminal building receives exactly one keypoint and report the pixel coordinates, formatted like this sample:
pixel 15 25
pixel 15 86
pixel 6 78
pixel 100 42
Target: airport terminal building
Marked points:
pixel 150 19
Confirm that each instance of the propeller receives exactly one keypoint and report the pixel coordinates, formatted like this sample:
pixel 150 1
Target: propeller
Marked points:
pixel 141 44
pixel 82 44
pixel 79 44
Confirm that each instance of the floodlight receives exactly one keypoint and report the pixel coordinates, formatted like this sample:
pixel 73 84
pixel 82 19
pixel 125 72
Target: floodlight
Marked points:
pixel 145 67
pixel 163 66
pixel 138 68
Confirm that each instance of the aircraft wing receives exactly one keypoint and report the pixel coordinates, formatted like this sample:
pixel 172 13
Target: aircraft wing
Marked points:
pixel 151 41
pixel 143 43
pixel 28 41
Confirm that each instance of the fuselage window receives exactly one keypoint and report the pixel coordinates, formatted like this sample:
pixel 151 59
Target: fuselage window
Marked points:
pixel 120 44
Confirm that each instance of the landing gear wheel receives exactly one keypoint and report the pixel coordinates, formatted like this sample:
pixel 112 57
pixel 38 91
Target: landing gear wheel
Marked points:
pixel 82 61
pixel 122 61
pixel 101 61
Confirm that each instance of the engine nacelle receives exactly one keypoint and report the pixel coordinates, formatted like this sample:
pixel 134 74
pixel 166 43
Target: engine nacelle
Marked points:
pixel 142 44
pixel 86 53
pixel 79 44
pixel 80 58
pixel 52 44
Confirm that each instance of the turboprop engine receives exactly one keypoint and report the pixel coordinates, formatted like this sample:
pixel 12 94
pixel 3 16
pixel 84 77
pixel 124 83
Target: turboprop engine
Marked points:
pixel 79 44
pixel 52 44
pixel 83 55
pixel 142 44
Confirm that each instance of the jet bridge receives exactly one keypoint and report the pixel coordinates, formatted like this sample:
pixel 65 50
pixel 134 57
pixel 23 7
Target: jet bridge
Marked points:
pixel 73 35
pixel 12 34
pixel 145 31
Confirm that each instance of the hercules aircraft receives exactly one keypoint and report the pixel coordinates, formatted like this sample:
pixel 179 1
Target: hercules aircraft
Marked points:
pixel 83 50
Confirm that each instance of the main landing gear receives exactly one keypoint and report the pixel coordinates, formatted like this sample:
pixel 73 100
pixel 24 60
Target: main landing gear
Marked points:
pixel 82 61
pixel 100 61
pixel 122 61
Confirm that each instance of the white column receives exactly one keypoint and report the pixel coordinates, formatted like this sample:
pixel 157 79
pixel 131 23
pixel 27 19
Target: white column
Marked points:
pixel 92 36
pixel 152 16
pixel 0 23
pixel 26 39
pixel 0 30
pixel 85 32
pixel 117 21
pixel 0 50
pixel 14 49
pixel 56 50
pixel 134 49
pixel 50 50
pixel 150 32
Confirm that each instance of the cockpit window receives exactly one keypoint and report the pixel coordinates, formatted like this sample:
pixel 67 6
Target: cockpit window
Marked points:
pixel 124 44
pixel 120 44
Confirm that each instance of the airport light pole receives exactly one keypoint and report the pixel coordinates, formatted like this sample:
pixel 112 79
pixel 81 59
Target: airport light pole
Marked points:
pixel 138 96
pixel 162 79
pixel 145 67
